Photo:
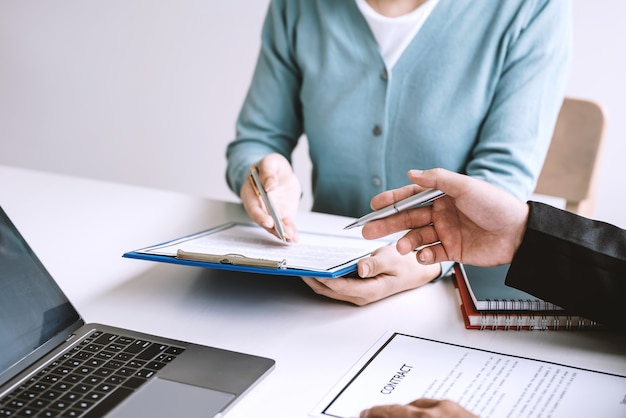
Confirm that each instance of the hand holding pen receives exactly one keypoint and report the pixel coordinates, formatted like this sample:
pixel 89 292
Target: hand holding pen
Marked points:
pixel 271 196
pixel 270 207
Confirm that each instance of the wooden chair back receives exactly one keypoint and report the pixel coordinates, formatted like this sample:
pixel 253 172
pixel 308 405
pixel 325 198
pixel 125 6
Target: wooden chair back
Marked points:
pixel 570 169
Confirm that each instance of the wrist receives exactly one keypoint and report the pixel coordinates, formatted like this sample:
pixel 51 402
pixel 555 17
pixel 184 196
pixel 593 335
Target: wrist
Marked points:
pixel 520 229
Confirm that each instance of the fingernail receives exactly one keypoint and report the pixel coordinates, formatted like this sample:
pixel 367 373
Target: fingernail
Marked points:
pixel 415 172
pixel 269 184
pixel 423 256
pixel 365 270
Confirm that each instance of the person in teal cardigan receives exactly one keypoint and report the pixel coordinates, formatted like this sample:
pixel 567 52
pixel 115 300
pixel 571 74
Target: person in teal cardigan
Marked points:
pixel 473 87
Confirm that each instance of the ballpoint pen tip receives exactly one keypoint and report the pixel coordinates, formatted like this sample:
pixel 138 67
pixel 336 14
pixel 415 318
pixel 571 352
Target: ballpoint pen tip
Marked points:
pixel 352 225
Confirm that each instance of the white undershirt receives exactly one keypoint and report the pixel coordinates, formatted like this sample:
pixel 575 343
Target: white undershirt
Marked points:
pixel 393 34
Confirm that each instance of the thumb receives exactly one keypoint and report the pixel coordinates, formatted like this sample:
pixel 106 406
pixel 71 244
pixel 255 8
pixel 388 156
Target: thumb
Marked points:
pixel 451 183
pixel 376 263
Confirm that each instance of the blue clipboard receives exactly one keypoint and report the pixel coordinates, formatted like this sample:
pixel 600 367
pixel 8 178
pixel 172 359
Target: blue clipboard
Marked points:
pixel 273 264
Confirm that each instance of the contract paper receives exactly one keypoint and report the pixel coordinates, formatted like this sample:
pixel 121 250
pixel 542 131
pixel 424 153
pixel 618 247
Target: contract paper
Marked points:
pixel 403 368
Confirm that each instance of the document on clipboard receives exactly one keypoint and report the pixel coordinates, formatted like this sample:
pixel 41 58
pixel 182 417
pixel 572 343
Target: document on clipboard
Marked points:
pixel 249 248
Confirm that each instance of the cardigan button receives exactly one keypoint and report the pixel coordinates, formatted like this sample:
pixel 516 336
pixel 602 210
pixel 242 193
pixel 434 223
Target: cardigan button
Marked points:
pixel 376 181
pixel 384 74
pixel 377 130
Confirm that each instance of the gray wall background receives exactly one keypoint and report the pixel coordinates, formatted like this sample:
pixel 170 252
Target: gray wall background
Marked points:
pixel 146 92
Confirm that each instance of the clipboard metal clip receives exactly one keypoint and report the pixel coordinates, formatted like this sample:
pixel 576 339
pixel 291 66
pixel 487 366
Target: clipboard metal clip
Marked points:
pixel 233 259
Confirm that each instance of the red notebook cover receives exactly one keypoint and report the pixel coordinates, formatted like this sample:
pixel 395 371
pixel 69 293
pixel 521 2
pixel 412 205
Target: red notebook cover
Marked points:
pixel 514 320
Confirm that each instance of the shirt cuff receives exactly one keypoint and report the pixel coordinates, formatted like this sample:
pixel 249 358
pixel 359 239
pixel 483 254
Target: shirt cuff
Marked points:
pixel 446 270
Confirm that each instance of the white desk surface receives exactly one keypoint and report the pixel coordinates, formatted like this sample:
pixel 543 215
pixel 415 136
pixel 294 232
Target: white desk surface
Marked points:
pixel 80 228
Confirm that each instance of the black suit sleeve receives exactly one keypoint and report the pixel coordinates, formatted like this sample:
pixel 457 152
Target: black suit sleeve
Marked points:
pixel 574 262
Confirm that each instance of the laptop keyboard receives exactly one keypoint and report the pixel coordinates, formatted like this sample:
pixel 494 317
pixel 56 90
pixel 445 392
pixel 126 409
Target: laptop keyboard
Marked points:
pixel 90 379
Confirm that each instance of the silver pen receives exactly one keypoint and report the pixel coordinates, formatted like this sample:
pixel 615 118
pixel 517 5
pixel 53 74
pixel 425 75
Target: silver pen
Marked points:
pixel 421 199
pixel 267 201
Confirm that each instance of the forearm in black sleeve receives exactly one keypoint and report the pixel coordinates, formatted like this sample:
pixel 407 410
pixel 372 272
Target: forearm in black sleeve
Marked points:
pixel 574 262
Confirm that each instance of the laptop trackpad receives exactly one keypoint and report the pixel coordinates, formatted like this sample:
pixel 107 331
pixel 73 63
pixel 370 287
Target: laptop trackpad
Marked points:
pixel 164 398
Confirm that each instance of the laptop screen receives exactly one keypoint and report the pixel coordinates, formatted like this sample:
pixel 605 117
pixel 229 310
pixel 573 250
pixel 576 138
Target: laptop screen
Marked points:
pixel 32 307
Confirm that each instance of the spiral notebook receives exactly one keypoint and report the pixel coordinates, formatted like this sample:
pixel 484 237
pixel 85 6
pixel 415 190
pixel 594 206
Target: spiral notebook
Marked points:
pixel 515 320
pixel 489 292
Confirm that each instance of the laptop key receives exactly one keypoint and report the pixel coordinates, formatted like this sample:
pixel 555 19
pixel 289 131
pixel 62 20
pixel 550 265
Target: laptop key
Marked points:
pixel 103 372
pixel 93 380
pixel 137 346
pixel 72 363
pixel 62 387
pixel 152 351
pixel 125 340
pixel 27 395
pixel 104 388
pixel 155 365
pixel 71 397
pixel 82 388
pixel 51 394
pixel 115 347
pixel 105 355
pixel 72 378
pixel 94 396
pixel 114 380
pixel 108 403
pixel 174 350
pixel 16 403
pixel 146 374
pixel 94 362
pixel 134 382
pixel 82 355
pixel 82 405
pixel 105 339
pixel 59 405
pixel 51 378
pixel 39 404
pixel 113 364
pixel 93 347
pixel 123 356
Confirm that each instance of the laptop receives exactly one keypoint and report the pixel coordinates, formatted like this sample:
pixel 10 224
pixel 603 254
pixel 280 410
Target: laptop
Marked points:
pixel 54 364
